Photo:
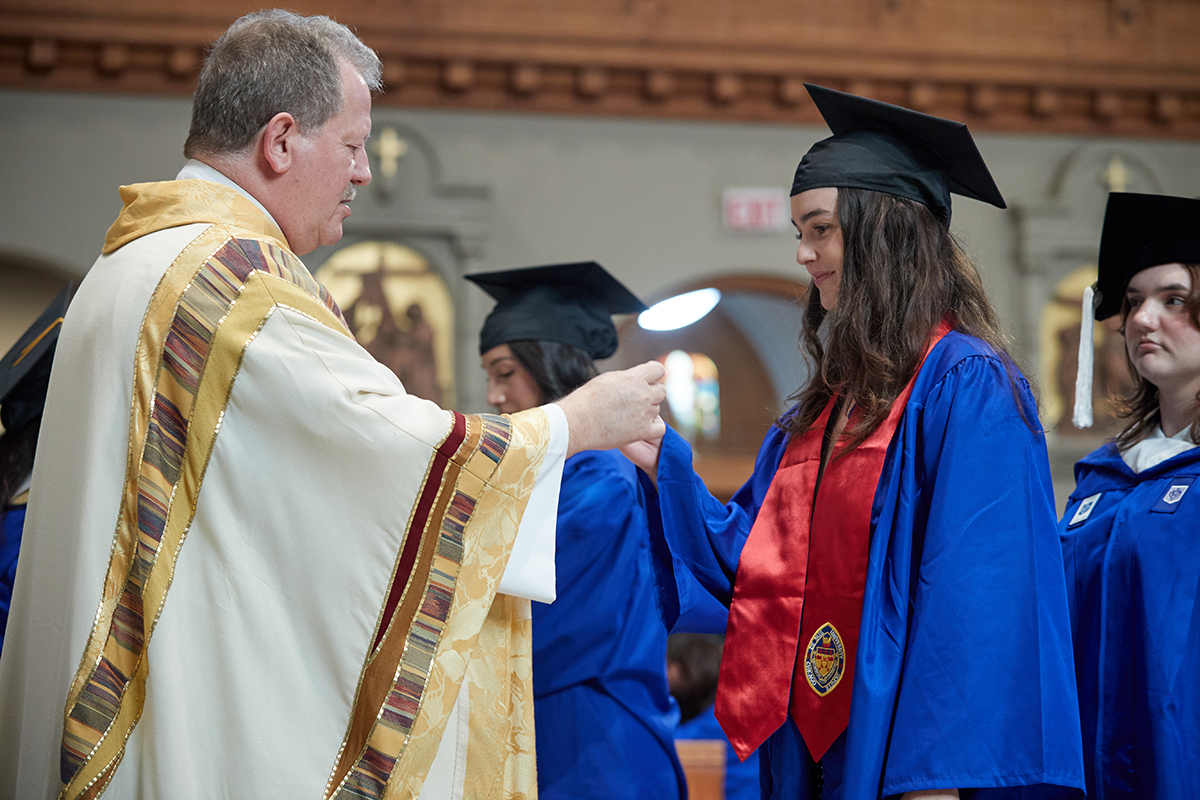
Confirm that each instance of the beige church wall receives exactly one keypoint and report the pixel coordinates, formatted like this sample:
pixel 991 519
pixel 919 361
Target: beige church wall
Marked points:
pixel 641 196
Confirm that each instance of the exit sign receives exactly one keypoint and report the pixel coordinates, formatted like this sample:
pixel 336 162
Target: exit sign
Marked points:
pixel 755 210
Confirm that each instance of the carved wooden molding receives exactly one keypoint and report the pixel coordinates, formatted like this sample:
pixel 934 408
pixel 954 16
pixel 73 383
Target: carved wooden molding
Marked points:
pixel 1127 67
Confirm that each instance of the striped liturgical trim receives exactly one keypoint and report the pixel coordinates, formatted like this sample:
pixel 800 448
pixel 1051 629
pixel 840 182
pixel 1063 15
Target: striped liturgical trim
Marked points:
pixel 184 373
pixel 415 615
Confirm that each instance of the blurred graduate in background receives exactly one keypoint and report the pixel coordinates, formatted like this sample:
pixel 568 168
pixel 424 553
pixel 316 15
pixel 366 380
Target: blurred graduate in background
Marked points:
pixel 693 663
pixel 604 717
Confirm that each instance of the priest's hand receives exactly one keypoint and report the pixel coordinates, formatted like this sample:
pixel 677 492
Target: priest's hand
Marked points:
pixel 616 408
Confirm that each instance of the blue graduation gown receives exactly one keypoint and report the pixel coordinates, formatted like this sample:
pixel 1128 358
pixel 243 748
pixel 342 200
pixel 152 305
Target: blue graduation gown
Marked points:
pixel 963 676
pixel 1188 704
pixel 12 520
pixel 1133 562
pixel 604 717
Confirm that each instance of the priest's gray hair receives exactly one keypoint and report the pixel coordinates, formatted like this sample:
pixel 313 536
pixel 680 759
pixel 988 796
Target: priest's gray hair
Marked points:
pixel 270 62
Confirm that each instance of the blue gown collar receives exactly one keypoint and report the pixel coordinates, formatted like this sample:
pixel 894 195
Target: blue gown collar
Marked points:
pixel 1108 459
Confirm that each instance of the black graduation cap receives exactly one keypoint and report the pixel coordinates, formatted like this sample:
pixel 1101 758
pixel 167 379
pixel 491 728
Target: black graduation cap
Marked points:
pixel 894 150
pixel 25 368
pixel 566 303
pixel 1142 231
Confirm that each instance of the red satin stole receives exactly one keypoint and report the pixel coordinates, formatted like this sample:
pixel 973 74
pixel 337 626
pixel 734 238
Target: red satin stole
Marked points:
pixel 797 600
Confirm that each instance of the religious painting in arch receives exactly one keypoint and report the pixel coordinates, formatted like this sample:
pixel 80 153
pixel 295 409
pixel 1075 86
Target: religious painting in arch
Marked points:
pixel 730 373
pixel 1060 328
pixel 400 311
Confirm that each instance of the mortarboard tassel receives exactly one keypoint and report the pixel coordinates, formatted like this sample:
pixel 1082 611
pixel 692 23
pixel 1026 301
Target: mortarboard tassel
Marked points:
pixel 1082 416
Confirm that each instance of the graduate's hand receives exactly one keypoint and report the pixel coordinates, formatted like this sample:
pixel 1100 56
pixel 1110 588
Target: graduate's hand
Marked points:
pixel 644 453
pixel 616 408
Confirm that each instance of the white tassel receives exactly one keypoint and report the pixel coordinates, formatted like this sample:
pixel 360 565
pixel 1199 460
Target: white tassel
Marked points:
pixel 1082 417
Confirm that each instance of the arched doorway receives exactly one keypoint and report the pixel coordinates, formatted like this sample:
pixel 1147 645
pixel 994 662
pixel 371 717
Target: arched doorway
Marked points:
pixel 745 356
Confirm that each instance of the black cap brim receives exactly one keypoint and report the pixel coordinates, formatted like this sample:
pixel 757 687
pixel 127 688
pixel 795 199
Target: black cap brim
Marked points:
pixel 25 368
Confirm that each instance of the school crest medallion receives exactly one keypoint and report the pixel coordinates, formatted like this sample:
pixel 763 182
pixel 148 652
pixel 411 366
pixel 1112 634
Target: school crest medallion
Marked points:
pixel 824 660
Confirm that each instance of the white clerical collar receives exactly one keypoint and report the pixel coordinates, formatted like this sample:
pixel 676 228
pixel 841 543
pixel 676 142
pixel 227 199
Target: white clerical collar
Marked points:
pixel 1157 447
pixel 198 170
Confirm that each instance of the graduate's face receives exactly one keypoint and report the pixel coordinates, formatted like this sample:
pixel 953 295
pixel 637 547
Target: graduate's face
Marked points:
pixel 330 164
pixel 510 387
pixel 814 213
pixel 1160 335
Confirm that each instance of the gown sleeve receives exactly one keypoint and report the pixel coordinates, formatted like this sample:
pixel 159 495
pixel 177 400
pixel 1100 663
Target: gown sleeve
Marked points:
pixel 964 674
pixel 530 571
pixel 696 538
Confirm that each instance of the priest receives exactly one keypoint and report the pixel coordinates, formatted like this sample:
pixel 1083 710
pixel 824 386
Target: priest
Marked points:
pixel 253 565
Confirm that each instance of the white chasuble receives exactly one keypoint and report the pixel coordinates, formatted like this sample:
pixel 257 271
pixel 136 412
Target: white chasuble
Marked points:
pixel 253 566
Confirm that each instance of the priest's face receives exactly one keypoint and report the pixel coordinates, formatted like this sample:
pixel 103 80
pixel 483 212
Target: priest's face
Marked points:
pixel 329 164
pixel 814 213
pixel 510 386
pixel 1160 333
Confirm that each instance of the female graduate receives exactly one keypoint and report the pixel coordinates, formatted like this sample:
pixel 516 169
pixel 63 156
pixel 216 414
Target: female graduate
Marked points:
pixel 898 625
pixel 602 711
pixel 1131 530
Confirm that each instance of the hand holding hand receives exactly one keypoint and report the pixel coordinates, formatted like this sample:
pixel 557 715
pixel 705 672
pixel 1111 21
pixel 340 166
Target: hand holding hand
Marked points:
pixel 616 408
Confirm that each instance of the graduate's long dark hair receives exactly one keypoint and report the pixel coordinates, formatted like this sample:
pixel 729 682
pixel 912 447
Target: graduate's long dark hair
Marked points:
pixel 1140 406
pixel 903 272
pixel 557 369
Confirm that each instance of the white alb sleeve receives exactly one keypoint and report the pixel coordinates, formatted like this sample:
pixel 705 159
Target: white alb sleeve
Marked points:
pixel 530 570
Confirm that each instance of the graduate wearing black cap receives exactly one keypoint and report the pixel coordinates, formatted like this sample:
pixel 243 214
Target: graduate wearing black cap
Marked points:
pixel 603 711
pixel 903 629
pixel 24 378
pixel 566 307
pixel 1129 529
